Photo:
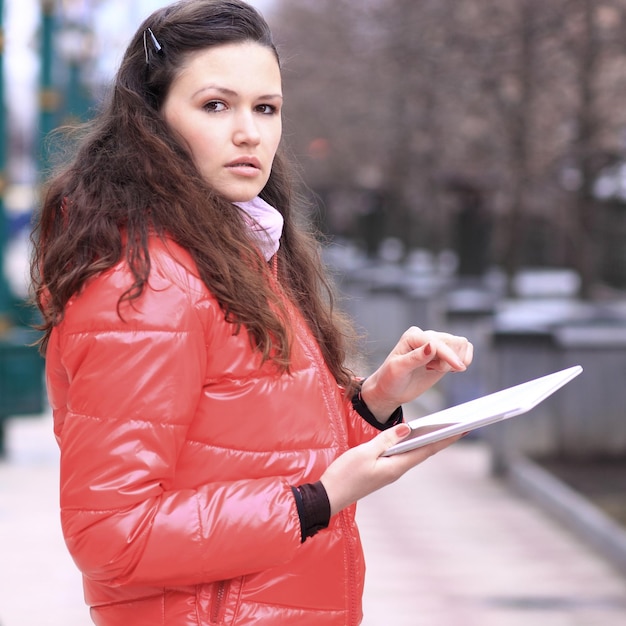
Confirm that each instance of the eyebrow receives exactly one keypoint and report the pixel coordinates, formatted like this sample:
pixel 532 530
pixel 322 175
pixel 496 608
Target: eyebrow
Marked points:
pixel 232 93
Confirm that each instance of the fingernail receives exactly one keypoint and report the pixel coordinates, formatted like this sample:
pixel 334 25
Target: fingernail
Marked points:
pixel 402 430
pixel 428 349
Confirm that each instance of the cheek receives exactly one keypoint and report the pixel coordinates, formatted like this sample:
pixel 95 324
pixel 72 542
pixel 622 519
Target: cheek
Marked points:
pixel 183 132
pixel 275 139
pixel 204 148
pixel 205 161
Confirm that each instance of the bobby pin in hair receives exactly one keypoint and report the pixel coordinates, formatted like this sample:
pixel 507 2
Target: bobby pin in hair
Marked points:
pixel 155 43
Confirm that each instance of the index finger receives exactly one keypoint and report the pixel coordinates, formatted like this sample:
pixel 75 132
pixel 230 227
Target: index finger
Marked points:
pixel 455 359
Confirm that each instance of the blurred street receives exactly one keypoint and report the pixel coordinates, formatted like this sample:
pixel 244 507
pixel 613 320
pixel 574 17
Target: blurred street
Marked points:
pixel 446 546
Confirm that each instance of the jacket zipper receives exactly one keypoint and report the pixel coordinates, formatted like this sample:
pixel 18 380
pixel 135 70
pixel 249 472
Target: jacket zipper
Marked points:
pixel 352 599
pixel 351 576
pixel 313 350
pixel 218 601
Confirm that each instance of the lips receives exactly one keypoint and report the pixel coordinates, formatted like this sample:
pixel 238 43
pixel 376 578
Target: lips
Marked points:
pixel 244 162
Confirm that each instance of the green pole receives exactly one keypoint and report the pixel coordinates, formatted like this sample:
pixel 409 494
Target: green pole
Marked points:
pixel 48 95
pixel 74 106
pixel 4 287
pixel 21 368
pixel 4 290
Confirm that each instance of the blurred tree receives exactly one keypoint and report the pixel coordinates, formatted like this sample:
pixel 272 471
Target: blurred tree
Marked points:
pixel 522 98
pixel 597 49
pixel 362 99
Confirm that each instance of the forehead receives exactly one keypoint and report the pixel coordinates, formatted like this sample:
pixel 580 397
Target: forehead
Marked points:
pixel 249 66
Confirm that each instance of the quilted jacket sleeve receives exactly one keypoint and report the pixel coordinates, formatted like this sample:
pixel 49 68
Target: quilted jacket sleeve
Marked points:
pixel 123 394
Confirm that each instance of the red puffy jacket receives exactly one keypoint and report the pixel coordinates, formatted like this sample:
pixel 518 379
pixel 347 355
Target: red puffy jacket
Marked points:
pixel 178 453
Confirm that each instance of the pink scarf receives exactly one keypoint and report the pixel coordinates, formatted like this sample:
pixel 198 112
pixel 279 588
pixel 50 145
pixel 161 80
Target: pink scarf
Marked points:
pixel 265 223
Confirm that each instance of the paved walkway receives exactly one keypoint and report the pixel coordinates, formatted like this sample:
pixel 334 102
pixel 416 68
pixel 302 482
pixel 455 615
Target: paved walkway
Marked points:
pixel 446 546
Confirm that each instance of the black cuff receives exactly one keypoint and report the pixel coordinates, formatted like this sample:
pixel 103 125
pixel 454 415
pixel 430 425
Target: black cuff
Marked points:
pixel 313 508
pixel 397 417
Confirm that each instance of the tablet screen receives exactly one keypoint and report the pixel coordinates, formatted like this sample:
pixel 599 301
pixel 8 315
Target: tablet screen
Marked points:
pixel 483 411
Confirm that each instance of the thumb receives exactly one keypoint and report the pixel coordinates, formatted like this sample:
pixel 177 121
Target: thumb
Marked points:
pixel 392 436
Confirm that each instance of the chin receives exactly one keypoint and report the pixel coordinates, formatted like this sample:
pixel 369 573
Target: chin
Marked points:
pixel 242 196
pixel 241 192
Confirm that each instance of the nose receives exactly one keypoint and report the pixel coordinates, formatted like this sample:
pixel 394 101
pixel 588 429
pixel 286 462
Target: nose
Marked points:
pixel 246 130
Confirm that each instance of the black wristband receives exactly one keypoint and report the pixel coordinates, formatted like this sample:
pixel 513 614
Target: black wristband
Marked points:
pixel 313 508
pixel 397 417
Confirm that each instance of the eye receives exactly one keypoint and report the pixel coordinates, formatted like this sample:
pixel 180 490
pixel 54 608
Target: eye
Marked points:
pixel 214 106
pixel 267 109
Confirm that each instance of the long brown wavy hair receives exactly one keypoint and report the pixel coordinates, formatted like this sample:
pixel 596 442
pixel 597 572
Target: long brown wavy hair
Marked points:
pixel 130 179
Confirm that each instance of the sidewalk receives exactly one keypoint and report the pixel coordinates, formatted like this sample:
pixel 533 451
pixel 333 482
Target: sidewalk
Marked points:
pixel 39 585
pixel 446 546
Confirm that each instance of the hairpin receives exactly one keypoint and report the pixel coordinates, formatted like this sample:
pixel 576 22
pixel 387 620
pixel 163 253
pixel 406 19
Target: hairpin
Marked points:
pixel 155 43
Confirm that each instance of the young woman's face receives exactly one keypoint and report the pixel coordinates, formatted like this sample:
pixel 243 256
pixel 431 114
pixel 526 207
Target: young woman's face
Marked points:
pixel 225 107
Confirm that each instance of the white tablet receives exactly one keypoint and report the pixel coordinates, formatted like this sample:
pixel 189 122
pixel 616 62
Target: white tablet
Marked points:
pixel 489 409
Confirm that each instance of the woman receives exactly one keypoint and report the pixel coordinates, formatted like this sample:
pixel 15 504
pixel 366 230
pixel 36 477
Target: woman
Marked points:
pixel 213 443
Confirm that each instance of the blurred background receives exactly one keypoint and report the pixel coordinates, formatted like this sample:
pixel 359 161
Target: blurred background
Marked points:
pixel 465 161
